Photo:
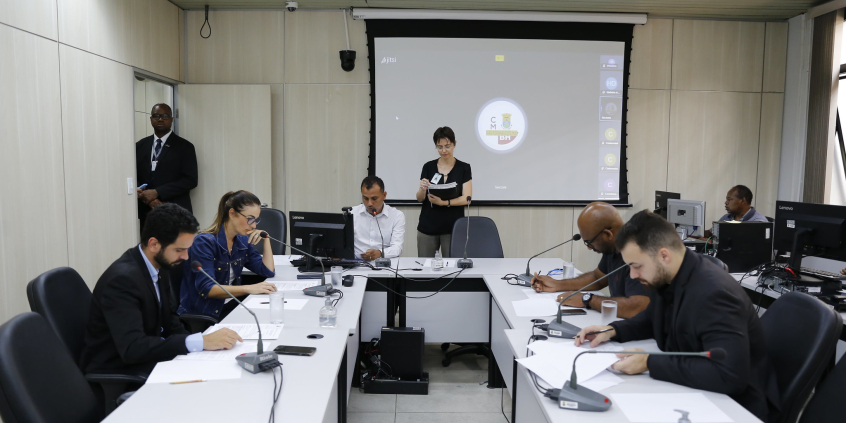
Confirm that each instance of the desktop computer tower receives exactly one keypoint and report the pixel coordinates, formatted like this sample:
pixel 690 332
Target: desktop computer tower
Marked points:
pixel 743 246
pixel 402 350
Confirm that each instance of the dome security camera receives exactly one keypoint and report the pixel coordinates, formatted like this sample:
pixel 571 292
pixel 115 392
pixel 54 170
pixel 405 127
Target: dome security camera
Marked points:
pixel 291 6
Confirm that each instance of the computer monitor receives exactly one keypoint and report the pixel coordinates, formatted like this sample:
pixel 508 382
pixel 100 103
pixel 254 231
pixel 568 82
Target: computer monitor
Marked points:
pixel 807 229
pixel 327 235
pixel 744 246
pixel 688 216
pixel 661 198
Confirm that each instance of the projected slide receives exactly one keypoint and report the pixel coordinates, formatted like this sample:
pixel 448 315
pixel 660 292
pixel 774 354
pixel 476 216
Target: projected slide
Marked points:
pixel 538 120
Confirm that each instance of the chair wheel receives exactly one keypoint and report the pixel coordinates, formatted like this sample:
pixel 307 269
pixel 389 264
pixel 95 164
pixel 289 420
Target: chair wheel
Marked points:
pixel 445 346
pixel 446 362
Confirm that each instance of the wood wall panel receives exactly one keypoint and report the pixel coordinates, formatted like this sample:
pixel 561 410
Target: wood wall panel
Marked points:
pixel 412 218
pixel 99 156
pixel 769 153
pixel 102 27
pixel 526 231
pixel 277 145
pixel 155 37
pixel 313 41
pixel 35 16
pixel 229 126
pixel 718 55
pixel 327 141
pixel 652 55
pixel 33 229
pixel 244 47
pixel 648 131
pixel 775 57
pixel 713 145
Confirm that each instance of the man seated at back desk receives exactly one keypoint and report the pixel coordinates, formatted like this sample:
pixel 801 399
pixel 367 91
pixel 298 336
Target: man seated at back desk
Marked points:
pixel 739 208
pixel 378 226
pixel 598 224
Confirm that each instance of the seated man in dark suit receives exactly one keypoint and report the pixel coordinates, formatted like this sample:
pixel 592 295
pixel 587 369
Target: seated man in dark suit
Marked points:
pixel 695 306
pixel 132 326
pixel 166 163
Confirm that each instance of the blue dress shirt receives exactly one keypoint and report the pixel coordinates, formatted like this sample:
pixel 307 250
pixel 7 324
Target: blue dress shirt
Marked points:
pixel 193 342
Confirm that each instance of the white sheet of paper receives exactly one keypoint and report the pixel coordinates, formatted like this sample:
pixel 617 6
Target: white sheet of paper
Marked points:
pixel 602 381
pixel 263 302
pixel 296 285
pixel 658 408
pixel 531 293
pixel 238 349
pixel 281 261
pixel 184 370
pixel 447 263
pixel 249 330
pixel 555 360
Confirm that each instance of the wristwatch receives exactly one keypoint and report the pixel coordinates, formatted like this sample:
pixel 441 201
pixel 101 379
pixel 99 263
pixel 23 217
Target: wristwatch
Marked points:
pixel 586 299
pixel 449 203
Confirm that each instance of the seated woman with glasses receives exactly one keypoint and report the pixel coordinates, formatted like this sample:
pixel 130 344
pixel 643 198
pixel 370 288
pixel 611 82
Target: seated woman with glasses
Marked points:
pixel 224 249
pixel 437 216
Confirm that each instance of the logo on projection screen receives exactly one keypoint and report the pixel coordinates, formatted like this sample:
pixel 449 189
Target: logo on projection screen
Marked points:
pixel 501 125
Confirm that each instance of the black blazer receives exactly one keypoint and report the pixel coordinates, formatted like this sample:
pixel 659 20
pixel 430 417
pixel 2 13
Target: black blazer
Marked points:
pixel 175 175
pixel 710 310
pixel 126 323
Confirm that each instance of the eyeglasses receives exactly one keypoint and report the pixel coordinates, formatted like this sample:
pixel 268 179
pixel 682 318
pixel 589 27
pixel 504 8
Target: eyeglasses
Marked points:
pixel 445 147
pixel 588 243
pixel 162 117
pixel 251 220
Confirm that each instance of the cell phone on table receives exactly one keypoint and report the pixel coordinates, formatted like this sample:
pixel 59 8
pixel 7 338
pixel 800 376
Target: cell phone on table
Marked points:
pixel 290 350
pixel 573 312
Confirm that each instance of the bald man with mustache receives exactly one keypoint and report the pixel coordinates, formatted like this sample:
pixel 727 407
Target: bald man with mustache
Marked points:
pixel 598 225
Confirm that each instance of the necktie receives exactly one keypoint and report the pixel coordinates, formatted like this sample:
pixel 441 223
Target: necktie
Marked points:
pixel 157 150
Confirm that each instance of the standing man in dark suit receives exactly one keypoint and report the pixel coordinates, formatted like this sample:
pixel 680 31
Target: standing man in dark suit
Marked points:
pixel 166 163
pixel 696 306
pixel 132 325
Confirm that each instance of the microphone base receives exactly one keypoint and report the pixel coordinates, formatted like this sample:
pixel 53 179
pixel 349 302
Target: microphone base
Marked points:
pixel 562 330
pixel 464 263
pixel 581 399
pixel 525 279
pixel 383 262
pixel 319 291
pixel 257 363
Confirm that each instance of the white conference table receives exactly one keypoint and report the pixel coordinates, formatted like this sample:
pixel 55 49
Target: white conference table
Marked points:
pixel 316 389
pixel 509 341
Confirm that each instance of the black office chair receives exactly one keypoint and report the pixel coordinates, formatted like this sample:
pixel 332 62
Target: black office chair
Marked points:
pixel 64 300
pixel 274 223
pixel 484 243
pixel 770 219
pixel 827 405
pixel 484 238
pixel 716 261
pixel 39 380
pixel 194 323
pixel 801 334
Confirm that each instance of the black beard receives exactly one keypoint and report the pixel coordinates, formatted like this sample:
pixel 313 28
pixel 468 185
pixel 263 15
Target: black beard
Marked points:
pixel 162 262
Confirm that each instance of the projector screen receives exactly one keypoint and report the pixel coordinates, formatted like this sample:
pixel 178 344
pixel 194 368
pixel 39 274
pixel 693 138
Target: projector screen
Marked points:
pixel 540 121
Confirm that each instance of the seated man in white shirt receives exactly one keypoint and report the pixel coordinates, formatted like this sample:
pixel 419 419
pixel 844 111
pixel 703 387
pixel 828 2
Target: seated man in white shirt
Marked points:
pixel 378 226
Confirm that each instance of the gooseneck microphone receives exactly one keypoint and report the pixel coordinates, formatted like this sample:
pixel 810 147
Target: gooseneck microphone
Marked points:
pixel 466 263
pixel 526 278
pixel 561 329
pixel 251 362
pixel 381 261
pixel 575 397
pixel 322 290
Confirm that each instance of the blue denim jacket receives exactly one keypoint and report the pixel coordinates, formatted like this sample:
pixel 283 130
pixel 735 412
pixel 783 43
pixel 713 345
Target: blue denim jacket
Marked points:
pixel 212 253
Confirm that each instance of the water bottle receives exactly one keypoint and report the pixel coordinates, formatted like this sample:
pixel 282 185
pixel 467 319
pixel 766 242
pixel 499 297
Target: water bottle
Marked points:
pixel 437 262
pixel 328 314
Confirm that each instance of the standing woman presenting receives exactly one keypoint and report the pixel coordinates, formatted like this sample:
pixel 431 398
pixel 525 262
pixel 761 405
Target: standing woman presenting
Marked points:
pixel 438 216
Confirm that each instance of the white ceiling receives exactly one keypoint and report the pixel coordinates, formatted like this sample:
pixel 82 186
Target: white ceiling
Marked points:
pixel 721 9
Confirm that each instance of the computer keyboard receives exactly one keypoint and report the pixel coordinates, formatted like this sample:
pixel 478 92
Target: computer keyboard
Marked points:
pixel 822 274
pixel 327 263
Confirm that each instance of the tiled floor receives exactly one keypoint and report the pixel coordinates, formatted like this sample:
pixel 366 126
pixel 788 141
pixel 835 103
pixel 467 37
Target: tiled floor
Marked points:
pixel 455 395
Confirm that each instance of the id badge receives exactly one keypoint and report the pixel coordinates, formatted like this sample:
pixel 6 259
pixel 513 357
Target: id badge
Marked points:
pixel 153 166
pixel 436 179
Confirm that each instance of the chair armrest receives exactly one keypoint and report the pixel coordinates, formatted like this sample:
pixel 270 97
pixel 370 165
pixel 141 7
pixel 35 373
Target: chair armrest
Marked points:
pixel 197 323
pixel 122 399
pixel 113 378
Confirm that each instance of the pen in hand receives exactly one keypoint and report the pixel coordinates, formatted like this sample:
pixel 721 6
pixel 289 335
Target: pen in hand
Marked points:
pixel 597 332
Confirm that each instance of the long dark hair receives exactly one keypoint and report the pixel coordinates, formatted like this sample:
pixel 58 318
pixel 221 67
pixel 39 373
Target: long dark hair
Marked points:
pixel 231 200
